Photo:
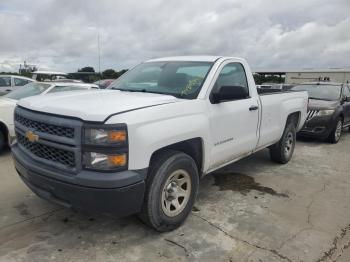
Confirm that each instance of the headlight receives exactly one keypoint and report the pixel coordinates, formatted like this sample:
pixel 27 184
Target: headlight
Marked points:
pixel 105 137
pixel 102 161
pixel 105 147
pixel 326 112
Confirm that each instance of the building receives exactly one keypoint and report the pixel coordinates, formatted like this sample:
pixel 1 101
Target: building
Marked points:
pixel 26 68
pixel 308 75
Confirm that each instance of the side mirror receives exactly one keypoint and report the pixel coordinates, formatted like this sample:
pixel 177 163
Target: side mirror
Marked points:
pixel 229 93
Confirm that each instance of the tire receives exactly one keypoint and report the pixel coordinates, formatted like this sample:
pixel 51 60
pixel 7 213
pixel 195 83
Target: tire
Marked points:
pixel 283 150
pixel 2 142
pixel 165 208
pixel 336 132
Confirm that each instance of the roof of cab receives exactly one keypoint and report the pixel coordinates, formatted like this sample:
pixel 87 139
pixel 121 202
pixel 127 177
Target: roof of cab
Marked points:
pixel 187 58
pixel 18 76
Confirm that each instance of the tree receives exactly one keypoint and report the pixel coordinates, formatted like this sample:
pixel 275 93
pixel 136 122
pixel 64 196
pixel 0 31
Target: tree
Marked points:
pixel 87 69
pixel 122 72
pixel 260 79
pixel 109 73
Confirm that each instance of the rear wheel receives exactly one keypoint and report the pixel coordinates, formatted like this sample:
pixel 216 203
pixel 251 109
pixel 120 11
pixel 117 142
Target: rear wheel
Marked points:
pixel 171 189
pixel 336 133
pixel 282 151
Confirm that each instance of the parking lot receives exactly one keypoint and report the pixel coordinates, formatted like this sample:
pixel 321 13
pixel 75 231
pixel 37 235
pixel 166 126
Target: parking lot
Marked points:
pixel 253 210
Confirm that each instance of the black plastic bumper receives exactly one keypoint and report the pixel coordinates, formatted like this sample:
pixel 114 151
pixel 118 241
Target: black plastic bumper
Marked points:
pixel 116 201
pixel 318 127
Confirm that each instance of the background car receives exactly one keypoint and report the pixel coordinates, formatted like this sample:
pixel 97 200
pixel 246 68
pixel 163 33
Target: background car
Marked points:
pixel 48 75
pixel 8 103
pixel 9 83
pixel 104 83
pixel 328 110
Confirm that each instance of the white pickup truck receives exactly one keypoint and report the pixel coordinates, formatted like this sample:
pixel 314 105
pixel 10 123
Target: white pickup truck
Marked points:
pixel 142 145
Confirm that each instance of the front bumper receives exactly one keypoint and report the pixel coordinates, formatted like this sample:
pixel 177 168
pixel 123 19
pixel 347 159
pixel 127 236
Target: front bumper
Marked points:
pixel 122 197
pixel 318 127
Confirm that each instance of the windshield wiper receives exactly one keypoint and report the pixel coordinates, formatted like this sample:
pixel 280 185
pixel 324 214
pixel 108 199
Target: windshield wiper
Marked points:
pixel 143 91
pixel 125 90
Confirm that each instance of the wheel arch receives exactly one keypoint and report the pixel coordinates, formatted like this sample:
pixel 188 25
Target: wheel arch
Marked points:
pixel 341 115
pixel 4 130
pixel 192 147
pixel 294 118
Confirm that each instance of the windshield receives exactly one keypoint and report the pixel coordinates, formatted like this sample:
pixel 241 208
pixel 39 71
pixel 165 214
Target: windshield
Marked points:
pixel 180 79
pixel 320 92
pixel 30 89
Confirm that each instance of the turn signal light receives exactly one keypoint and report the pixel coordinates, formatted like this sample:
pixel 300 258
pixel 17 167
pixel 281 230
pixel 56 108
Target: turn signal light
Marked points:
pixel 117 136
pixel 117 160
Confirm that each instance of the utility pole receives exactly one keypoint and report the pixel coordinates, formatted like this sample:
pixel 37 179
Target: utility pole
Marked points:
pixel 99 53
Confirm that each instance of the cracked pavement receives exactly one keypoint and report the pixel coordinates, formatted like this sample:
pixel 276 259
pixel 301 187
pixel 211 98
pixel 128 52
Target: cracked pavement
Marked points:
pixel 253 210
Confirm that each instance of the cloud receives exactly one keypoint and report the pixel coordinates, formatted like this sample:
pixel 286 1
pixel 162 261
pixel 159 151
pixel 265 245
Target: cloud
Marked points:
pixel 62 34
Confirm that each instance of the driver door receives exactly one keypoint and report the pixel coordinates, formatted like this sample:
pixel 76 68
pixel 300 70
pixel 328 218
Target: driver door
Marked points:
pixel 233 124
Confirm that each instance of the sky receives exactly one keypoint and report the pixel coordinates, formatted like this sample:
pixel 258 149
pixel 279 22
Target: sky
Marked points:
pixel 63 34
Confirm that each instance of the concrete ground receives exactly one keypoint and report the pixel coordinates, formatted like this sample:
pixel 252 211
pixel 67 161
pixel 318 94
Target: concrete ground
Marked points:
pixel 253 210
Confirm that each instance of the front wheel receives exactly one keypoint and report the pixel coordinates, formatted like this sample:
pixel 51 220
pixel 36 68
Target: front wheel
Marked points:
pixel 282 151
pixel 336 133
pixel 171 190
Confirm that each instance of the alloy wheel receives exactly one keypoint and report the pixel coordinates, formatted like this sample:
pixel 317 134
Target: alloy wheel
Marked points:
pixel 338 130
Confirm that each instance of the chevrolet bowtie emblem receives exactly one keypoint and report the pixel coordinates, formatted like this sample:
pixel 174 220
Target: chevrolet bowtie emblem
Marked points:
pixel 31 136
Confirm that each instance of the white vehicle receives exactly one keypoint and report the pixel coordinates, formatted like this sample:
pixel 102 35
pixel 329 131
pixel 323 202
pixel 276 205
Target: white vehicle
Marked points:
pixel 48 75
pixel 9 83
pixel 8 103
pixel 142 145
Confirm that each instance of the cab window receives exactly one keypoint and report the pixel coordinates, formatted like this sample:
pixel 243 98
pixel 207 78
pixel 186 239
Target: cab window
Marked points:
pixel 5 81
pixel 232 75
pixel 20 82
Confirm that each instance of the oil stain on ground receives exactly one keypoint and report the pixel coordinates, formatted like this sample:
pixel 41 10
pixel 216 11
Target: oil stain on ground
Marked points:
pixel 242 183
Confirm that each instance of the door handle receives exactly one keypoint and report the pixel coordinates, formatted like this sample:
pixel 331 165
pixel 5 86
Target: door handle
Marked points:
pixel 252 108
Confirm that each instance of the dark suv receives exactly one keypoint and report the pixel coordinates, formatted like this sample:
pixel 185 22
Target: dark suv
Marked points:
pixel 328 110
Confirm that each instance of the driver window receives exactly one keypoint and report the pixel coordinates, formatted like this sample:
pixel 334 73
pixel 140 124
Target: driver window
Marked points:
pixel 232 74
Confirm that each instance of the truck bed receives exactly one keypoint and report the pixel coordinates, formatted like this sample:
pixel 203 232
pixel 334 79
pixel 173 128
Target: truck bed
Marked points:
pixel 276 105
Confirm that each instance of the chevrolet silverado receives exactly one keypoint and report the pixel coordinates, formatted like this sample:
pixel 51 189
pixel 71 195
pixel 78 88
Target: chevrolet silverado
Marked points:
pixel 142 145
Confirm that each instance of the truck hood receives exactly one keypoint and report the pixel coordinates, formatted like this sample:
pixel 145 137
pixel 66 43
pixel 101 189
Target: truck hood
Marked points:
pixel 94 105
pixel 315 104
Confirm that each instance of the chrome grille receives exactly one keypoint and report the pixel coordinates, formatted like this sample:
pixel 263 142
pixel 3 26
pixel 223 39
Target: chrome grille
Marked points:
pixel 45 128
pixel 64 157
pixel 311 114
